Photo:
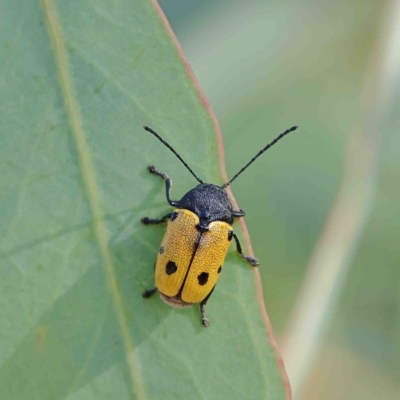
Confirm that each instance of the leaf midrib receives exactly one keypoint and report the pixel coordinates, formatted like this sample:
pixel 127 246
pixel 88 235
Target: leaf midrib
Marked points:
pixel 92 191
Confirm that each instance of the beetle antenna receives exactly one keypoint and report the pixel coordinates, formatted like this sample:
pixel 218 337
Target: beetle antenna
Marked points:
pixel 172 149
pixel 293 128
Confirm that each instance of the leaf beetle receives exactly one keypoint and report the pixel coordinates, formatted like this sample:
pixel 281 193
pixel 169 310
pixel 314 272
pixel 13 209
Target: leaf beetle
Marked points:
pixel 199 232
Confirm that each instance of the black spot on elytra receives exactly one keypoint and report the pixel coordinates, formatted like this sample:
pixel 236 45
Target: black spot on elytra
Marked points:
pixel 230 235
pixel 173 216
pixel 161 251
pixel 170 268
pixel 203 278
pixel 219 269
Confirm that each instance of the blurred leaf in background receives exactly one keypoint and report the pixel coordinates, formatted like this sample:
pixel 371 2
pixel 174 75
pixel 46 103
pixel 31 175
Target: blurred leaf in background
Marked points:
pixel 268 65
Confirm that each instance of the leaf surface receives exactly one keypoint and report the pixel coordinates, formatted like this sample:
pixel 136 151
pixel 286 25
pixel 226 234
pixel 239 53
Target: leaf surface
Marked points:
pixel 79 80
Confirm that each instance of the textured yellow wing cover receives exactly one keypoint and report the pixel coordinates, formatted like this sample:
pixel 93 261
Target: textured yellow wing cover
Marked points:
pixel 177 250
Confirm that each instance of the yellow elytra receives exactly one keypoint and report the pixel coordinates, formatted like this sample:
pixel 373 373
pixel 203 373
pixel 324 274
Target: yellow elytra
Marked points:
pixel 182 273
pixel 198 235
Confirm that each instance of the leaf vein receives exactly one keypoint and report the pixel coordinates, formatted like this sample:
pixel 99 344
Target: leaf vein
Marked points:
pixel 57 39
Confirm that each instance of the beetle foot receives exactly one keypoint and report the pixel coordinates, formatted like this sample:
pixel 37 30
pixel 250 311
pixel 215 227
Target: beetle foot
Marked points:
pixel 145 220
pixel 253 261
pixel 149 293
pixel 154 170
pixel 204 320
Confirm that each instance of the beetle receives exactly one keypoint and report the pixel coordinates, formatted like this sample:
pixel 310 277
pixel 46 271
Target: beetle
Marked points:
pixel 198 235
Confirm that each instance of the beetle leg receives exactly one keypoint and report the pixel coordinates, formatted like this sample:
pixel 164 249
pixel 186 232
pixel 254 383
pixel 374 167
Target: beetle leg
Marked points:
pixel 253 261
pixel 148 221
pixel 149 293
pixel 154 170
pixel 236 214
pixel 204 320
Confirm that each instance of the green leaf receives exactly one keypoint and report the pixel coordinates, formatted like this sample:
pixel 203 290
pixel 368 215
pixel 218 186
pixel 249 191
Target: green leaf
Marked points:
pixel 79 80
